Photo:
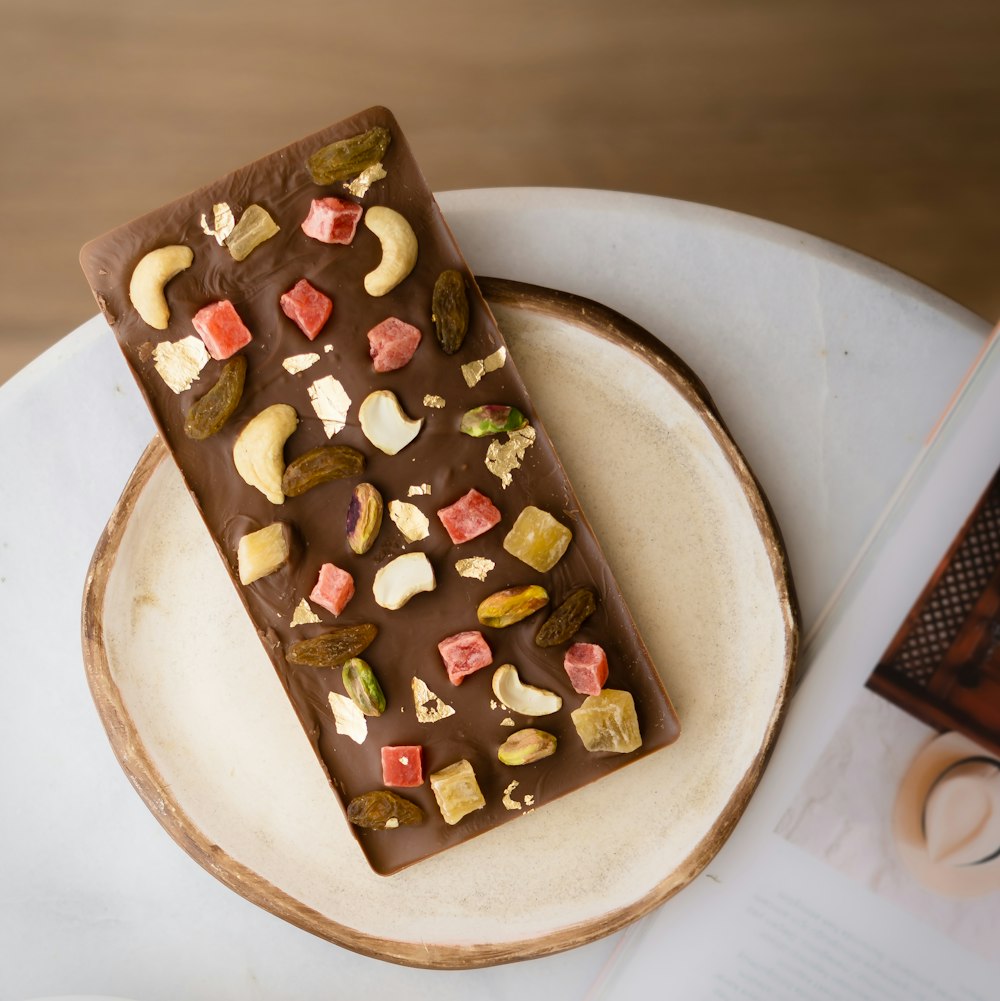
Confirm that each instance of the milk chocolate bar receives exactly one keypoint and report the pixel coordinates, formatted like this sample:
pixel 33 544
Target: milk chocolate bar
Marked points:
pixel 340 402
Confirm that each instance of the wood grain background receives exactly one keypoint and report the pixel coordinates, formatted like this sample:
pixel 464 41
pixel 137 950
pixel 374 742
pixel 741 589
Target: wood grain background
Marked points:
pixel 875 125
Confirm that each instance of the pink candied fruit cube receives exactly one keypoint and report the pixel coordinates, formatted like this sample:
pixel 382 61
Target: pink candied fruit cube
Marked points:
pixel 334 589
pixel 403 765
pixel 393 343
pixel 220 327
pixel 470 516
pixel 587 667
pixel 332 220
pixel 464 654
pixel 307 307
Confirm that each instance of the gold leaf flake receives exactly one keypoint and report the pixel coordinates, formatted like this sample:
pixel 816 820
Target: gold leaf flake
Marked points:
pixel 304 614
pixel 436 402
pixel 299 363
pixel 348 718
pixel 502 460
pixel 418 490
pixel 327 348
pixel 331 403
pixel 507 721
pixel 360 185
pixel 223 222
pixel 392 823
pixel 476 567
pixel 410 520
pixel 473 371
pixel 430 708
pixel 508 801
pixel 180 362
pixel 529 800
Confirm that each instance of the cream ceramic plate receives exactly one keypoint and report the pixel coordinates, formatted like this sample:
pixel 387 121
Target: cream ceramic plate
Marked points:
pixel 198 720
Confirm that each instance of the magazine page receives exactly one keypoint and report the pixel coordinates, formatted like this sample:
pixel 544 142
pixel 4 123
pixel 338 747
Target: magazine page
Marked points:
pixel 868 862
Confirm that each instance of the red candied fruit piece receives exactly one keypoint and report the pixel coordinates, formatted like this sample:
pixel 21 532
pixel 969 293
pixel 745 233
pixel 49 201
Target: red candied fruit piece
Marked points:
pixel 470 516
pixel 334 589
pixel 307 307
pixel 332 220
pixel 464 654
pixel 403 766
pixel 220 327
pixel 587 667
pixel 393 343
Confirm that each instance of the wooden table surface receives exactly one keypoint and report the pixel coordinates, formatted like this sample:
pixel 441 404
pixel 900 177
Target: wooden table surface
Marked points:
pixel 874 125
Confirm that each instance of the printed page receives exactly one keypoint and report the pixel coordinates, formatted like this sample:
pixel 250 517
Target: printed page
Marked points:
pixel 868 862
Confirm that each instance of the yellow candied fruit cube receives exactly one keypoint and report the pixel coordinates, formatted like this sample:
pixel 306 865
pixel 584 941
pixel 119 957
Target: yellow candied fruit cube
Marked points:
pixel 537 539
pixel 607 722
pixel 456 790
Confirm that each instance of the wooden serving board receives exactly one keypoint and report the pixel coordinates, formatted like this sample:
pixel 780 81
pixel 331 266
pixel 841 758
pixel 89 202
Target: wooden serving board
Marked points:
pixel 209 741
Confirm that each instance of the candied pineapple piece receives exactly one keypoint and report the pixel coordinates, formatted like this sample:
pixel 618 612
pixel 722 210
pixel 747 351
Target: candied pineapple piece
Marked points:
pixel 261 553
pixel 457 792
pixel 607 722
pixel 537 539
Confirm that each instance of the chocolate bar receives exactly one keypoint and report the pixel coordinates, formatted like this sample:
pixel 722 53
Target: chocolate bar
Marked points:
pixel 326 373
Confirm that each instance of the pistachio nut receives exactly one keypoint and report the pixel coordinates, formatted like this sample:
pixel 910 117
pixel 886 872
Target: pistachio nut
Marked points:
pixel 504 608
pixel 363 687
pixel 364 518
pixel 525 746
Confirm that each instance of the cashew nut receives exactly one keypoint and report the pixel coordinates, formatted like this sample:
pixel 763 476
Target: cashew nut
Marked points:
pixel 402 578
pixel 521 698
pixel 150 275
pixel 399 249
pixel 258 451
pixel 385 424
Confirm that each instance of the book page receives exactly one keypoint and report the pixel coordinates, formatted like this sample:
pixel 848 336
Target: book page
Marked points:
pixel 868 862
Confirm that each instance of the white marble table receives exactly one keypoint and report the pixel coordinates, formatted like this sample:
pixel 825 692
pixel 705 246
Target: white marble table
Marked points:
pixel 828 368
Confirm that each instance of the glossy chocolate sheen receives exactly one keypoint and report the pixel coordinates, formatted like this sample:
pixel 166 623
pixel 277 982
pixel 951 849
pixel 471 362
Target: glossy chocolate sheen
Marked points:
pixel 441 456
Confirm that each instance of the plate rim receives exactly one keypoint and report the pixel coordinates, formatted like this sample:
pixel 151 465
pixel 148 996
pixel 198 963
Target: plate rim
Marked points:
pixel 128 748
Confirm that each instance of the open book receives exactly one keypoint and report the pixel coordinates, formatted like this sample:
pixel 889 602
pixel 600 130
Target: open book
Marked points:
pixel 868 862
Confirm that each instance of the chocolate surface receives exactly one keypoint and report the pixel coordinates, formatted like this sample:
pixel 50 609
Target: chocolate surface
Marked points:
pixel 450 462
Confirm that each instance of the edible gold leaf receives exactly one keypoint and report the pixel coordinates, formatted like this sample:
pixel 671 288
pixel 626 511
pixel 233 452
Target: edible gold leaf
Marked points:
pixel 331 403
pixel 299 363
pixel 179 363
pixel 223 222
pixel 304 614
pixel 508 801
pixel 476 567
pixel 502 460
pixel 437 402
pixel 418 489
pixel 473 371
pixel 360 185
pixel 429 707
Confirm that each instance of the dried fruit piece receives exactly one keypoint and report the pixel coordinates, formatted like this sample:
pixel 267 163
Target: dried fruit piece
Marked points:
pixel 258 452
pixel 262 552
pixel 254 228
pixel 399 249
pixel 457 792
pixel 403 765
pixel 307 308
pixel 526 746
pixel 512 604
pixel 331 649
pixel 587 667
pixel 464 654
pixel 321 465
pixel 402 578
pixel 491 418
pixel 364 518
pixel 382 810
pixel 334 588
pixel 332 220
pixel 537 539
pixel 363 688
pixel 562 625
pixel 384 423
pixel 151 274
pixel 345 158
pixel 450 310
pixel 607 722
pixel 470 516
pixel 392 343
pixel 220 327
pixel 209 414
pixel 521 698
